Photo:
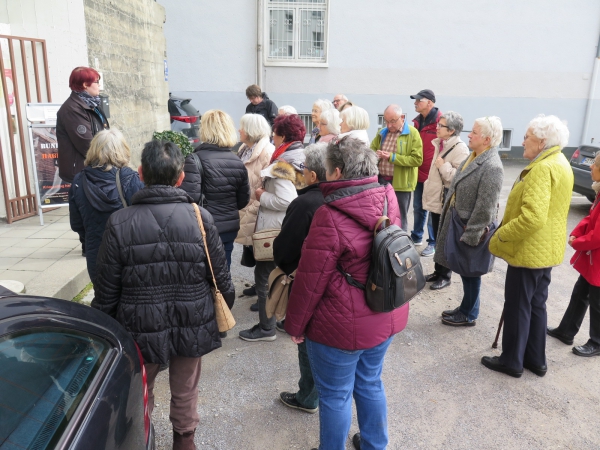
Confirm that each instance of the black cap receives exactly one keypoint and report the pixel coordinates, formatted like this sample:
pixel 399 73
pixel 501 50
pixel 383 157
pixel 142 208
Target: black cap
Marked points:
pixel 425 93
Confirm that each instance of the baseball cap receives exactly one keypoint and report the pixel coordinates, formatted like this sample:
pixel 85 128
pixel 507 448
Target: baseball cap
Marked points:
pixel 425 93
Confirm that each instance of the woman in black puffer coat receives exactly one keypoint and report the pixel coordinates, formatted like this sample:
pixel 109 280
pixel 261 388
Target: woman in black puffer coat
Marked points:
pixel 153 277
pixel 94 195
pixel 221 185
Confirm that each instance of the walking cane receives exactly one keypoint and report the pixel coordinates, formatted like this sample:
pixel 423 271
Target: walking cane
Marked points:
pixel 495 344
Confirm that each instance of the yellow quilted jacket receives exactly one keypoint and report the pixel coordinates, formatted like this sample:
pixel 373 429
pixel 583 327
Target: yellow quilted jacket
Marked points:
pixel 533 232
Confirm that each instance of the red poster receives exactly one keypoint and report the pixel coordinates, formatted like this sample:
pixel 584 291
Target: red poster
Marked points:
pixel 52 190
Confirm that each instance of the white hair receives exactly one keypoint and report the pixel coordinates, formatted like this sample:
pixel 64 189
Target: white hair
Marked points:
pixel 344 98
pixel 550 128
pixel 491 127
pixel 331 118
pixel 255 126
pixel 356 118
pixel 394 108
pixel 323 105
pixel 287 110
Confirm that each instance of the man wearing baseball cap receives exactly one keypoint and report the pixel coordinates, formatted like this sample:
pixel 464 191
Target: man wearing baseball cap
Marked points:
pixel 426 122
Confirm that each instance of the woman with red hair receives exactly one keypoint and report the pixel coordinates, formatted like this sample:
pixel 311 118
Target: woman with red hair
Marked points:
pixel 78 120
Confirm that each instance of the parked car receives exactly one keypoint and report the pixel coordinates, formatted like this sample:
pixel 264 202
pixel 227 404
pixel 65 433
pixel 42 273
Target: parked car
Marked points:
pixel 185 118
pixel 71 377
pixel 581 161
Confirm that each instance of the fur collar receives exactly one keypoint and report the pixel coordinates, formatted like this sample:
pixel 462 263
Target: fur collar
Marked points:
pixel 285 171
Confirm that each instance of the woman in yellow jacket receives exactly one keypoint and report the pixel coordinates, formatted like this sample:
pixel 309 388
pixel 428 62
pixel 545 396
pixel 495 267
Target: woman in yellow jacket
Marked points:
pixel 531 239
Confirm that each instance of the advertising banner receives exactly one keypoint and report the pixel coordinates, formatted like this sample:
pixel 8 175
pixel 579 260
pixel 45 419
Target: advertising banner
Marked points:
pixel 52 191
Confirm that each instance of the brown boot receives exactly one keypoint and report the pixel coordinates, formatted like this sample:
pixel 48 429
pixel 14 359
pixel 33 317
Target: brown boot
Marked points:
pixel 183 441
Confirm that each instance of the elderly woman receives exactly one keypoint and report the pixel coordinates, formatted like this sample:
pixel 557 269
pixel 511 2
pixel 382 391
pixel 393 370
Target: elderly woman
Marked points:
pixel 329 126
pixel 474 192
pixel 220 182
pixel 355 123
pixel 532 240
pixel 318 107
pixel 585 240
pixel 281 179
pixel 96 193
pixel 286 110
pixel 449 152
pixel 78 120
pixel 346 341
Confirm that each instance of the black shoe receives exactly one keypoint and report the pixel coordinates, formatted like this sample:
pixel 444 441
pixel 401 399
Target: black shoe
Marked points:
pixel 289 399
pixel 254 307
pixel 250 292
pixel 558 335
pixel 450 312
pixel 256 333
pixel 540 371
pixel 356 441
pixel 432 277
pixel 458 320
pixel 222 334
pixel 281 326
pixel 493 363
pixel 439 284
pixel 589 349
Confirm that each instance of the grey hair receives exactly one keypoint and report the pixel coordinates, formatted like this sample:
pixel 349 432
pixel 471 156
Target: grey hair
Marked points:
pixel 331 118
pixel 491 127
pixel 356 118
pixel 550 128
pixel 352 157
pixel 287 110
pixel 454 122
pixel 315 159
pixel 394 108
pixel 323 105
pixel 344 98
pixel 255 126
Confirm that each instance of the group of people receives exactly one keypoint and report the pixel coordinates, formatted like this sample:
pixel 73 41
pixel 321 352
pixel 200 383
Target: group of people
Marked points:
pixel 151 268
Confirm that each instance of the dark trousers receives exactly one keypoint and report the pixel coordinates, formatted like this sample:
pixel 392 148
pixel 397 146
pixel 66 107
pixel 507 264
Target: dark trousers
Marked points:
pixel 307 394
pixel 525 318
pixel 441 271
pixel 227 240
pixel 470 302
pixel 420 218
pixel 403 203
pixel 262 270
pixel 584 295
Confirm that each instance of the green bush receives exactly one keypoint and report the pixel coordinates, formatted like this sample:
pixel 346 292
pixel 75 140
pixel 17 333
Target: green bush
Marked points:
pixel 177 138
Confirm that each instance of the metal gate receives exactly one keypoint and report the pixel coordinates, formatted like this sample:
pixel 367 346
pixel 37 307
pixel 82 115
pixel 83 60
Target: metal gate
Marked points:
pixel 22 61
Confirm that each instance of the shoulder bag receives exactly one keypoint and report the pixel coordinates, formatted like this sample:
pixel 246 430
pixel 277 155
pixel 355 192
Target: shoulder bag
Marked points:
pixel 280 286
pixel 225 320
pixel 445 189
pixel 120 189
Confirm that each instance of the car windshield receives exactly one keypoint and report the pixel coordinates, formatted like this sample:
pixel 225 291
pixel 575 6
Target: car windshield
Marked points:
pixel 44 374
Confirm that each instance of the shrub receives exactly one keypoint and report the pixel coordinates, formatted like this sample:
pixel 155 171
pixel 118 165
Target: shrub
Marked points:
pixel 177 138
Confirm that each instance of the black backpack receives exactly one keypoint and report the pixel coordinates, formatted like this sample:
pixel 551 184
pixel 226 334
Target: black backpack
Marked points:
pixel 396 274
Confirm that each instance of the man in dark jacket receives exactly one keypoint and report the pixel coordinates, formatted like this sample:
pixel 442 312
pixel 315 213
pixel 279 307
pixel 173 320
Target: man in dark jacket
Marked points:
pixel 287 249
pixel 260 104
pixel 153 277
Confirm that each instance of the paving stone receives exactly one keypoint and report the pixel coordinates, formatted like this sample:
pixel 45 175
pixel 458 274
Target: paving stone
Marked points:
pixel 35 242
pixel 23 276
pixel 7 263
pixel 55 253
pixel 47 234
pixel 17 251
pixel 19 233
pixel 33 265
pixel 63 243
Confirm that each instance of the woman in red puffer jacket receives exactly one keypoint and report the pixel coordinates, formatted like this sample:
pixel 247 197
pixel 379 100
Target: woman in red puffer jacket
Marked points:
pixel 585 239
pixel 346 341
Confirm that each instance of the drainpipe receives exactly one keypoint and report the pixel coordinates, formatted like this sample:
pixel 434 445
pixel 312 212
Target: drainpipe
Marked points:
pixel 259 43
pixel 588 109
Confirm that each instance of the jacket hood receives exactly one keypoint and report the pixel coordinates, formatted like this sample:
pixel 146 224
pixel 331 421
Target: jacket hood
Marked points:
pixel 265 96
pixel 160 194
pixel 361 198
pixel 295 156
pixel 101 187
pixel 213 147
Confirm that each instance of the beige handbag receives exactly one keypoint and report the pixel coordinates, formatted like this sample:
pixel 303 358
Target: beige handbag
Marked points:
pixel 280 286
pixel 262 243
pixel 225 320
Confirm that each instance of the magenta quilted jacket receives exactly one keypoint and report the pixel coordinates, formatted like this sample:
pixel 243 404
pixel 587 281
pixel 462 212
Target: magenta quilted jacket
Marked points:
pixel 322 305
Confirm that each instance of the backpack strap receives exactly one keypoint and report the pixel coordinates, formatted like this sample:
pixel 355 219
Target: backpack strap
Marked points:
pixel 351 281
pixel 120 189
pixel 383 219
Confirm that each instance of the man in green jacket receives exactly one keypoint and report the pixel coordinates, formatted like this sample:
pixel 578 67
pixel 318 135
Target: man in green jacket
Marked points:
pixel 400 152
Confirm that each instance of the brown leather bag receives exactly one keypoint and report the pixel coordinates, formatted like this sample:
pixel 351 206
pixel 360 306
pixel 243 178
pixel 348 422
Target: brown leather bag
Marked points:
pixel 225 320
pixel 280 286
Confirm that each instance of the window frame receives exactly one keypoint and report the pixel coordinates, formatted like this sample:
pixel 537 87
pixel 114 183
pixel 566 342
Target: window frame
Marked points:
pixel 297 6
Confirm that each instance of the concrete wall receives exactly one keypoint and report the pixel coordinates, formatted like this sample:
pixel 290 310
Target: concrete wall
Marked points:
pixel 512 59
pixel 126 43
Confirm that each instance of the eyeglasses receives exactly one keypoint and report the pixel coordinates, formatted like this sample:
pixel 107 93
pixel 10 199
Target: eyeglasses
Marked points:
pixel 395 121
pixel 96 82
pixel 439 125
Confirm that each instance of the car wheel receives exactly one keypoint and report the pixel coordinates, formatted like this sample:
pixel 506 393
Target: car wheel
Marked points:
pixel 591 198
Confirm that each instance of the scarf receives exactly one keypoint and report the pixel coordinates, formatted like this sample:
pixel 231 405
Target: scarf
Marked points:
pixel 92 102
pixel 280 151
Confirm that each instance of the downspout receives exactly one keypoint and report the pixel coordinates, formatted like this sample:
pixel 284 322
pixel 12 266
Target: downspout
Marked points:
pixel 592 93
pixel 259 43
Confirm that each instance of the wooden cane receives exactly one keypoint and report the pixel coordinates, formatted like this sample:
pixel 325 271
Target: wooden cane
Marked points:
pixel 495 344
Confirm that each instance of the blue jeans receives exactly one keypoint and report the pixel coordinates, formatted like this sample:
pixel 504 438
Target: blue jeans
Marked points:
pixel 340 373
pixel 470 302
pixel 420 217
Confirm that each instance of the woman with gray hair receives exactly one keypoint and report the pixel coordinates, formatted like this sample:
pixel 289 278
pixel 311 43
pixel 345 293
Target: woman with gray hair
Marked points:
pixel 346 341
pixel 474 194
pixel 318 107
pixel 532 240
pixel 329 126
pixel 449 152
pixel 355 123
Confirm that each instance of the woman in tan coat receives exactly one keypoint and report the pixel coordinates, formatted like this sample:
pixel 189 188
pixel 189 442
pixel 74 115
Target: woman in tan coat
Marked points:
pixel 450 151
pixel 255 153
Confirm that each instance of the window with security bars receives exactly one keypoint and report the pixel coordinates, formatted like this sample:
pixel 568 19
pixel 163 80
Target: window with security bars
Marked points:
pixel 297 31
pixel 308 124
